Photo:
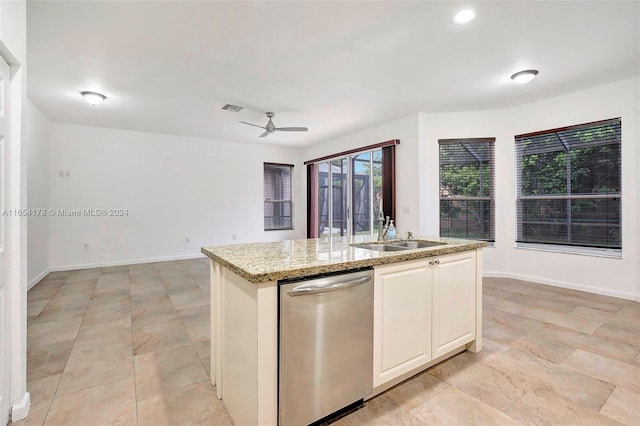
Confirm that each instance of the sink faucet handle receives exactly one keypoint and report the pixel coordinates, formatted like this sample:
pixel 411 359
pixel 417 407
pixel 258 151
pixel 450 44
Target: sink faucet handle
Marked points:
pixel 409 235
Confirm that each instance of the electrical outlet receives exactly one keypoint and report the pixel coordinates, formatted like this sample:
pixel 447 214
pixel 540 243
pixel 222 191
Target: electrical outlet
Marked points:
pixel 67 173
pixel 61 173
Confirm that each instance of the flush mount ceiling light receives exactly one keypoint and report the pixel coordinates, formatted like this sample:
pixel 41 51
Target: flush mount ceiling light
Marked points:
pixel 524 76
pixel 464 16
pixel 93 98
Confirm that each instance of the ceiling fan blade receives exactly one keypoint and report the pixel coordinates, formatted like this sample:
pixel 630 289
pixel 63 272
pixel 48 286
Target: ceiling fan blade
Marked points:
pixel 264 134
pixel 292 129
pixel 251 124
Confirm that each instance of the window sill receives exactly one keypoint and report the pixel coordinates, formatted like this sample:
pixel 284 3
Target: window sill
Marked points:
pixel 279 229
pixel 582 251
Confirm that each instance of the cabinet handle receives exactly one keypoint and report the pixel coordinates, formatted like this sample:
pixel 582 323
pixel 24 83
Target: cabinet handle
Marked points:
pixel 437 261
pixel 431 262
pixel 328 287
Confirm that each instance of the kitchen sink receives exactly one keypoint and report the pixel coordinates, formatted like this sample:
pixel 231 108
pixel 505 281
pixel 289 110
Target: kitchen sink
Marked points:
pixel 415 244
pixel 381 247
pixel 398 245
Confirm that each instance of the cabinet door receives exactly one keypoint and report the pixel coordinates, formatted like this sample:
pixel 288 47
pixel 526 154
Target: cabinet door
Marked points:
pixel 402 319
pixel 454 301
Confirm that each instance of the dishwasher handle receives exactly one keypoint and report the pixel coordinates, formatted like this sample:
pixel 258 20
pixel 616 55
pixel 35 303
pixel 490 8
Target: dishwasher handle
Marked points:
pixel 326 288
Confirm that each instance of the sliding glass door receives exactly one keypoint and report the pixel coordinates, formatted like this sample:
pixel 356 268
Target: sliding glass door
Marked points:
pixel 366 183
pixel 348 191
pixel 333 197
pixel 349 194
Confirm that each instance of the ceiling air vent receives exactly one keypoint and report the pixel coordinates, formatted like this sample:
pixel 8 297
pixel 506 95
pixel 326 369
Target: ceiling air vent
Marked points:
pixel 232 108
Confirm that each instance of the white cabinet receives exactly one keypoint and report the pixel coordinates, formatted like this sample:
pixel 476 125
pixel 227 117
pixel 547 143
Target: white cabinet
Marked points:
pixel 423 309
pixel 453 321
pixel 402 319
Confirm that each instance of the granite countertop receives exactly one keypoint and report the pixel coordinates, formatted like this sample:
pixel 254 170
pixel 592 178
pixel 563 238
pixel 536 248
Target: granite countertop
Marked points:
pixel 271 261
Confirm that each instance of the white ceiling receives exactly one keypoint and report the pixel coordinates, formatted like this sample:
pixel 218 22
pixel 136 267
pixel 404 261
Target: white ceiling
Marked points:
pixel 169 67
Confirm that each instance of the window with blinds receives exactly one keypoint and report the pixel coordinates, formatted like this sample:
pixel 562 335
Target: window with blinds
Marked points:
pixel 569 186
pixel 278 203
pixel 467 188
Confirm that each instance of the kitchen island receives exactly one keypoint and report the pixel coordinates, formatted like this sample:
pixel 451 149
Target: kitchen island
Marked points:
pixel 427 307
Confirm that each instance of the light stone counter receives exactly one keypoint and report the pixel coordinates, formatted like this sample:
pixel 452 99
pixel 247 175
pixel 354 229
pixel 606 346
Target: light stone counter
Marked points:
pixel 272 261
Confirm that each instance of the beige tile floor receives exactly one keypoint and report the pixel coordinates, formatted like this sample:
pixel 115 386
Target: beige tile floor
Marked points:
pixel 130 345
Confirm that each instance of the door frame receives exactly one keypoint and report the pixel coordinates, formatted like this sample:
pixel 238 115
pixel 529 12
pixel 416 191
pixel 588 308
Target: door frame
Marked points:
pixel 16 198
pixel 388 183
pixel 5 248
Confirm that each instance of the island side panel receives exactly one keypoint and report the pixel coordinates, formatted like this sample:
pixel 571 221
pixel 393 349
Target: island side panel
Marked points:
pixel 215 272
pixel 476 345
pixel 268 353
pixel 248 343
pixel 239 343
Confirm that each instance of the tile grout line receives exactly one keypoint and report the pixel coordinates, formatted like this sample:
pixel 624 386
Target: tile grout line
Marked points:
pixel 55 393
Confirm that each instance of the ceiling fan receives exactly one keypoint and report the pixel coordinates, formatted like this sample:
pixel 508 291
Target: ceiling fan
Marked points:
pixel 271 128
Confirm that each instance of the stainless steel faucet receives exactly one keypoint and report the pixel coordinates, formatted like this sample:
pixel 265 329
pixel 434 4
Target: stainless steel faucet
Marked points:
pixel 382 230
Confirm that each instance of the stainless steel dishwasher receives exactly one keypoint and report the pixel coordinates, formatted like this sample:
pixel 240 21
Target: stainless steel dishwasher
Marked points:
pixel 326 346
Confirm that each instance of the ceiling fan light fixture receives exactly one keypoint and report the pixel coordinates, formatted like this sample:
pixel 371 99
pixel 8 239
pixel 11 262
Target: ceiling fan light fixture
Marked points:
pixel 525 76
pixel 93 98
pixel 271 128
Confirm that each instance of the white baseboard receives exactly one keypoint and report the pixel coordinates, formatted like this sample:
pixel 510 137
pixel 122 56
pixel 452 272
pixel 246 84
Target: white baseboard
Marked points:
pixel 37 278
pixel 125 262
pixel 563 284
pixel 44 273
pixel 19 411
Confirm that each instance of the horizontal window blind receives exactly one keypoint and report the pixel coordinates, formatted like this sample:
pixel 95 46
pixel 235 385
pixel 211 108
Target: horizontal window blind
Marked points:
pixel 467 188
pixel 278 203
pixel 569 186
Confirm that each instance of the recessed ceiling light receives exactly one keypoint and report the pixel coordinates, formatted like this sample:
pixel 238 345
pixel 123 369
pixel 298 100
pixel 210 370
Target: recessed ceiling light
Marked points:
pixel 524 76
pixel 93 98
pixel 464 16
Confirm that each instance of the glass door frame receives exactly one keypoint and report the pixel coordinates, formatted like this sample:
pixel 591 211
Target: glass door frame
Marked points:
pixel 349 229
pixel 387 186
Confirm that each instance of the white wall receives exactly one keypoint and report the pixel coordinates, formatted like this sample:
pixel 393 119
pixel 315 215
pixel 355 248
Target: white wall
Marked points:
pixel 37 138
pixel 616 277
pixel 417 181
pixel 173 188
pixel 407 167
